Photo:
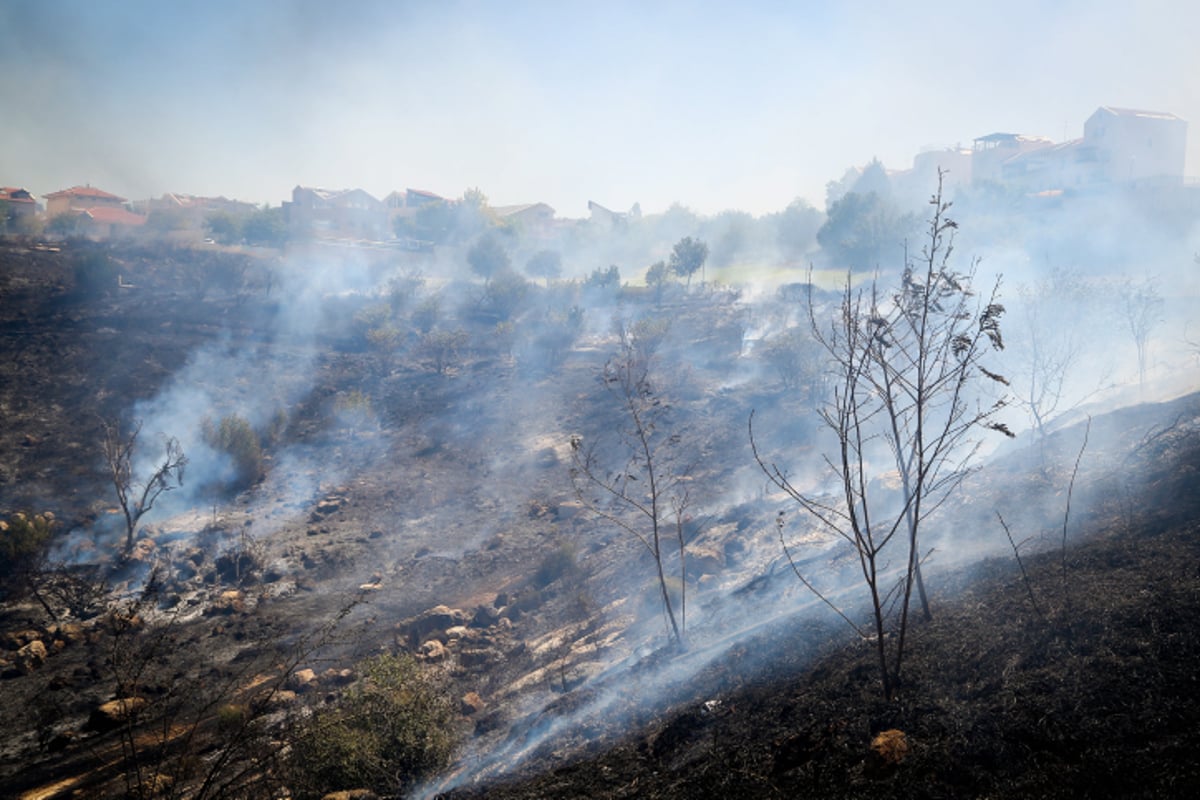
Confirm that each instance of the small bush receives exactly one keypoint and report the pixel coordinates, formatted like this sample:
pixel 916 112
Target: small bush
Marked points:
pixel 234 437
pixel 558 563
pixel 95 273
pixel 393 728
pixel 353 409
pixel 23 540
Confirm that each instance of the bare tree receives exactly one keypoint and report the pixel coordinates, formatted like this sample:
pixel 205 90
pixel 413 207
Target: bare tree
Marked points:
pixel 638 485
pixel 1142 307
pixel 906 365
pixel 138 497
pixel 1053 347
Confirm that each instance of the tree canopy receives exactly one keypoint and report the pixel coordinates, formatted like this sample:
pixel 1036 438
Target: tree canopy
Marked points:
pixel 687 257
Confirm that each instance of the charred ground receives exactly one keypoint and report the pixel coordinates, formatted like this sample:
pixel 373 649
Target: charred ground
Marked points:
pixel 1092 692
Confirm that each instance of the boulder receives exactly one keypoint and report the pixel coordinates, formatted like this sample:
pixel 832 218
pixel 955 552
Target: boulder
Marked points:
pixel 351 794
pixel 432 623
pixel 337 677
pixel 143 551
pixel 303 680
pixel 433 650
pixel 111 715
pixel 471 703
pixel 704 559
pixel 31 656
pixel 18 639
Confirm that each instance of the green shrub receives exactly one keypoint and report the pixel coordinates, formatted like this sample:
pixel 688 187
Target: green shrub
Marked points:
pixel 234 437
pixel 353 409
pixel 394 727
pixel 558 563
pixel 23 540
pixel 95 273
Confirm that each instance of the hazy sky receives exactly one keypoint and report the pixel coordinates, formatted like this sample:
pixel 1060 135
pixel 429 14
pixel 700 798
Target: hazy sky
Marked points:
pixel 713 105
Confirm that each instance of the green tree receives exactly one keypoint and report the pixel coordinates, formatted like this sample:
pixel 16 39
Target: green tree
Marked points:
pixel 265 228
pixel 545 264
pixel 861 229
pixel 505 294
pixel 687 257
pixel 223 227
pixel 66 224
pixel 163 220
pixel 488 256
pixel 657 276
pixel 796 228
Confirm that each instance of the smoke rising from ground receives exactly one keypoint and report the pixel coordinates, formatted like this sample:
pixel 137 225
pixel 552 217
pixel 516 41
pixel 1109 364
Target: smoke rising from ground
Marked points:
pixel 472 386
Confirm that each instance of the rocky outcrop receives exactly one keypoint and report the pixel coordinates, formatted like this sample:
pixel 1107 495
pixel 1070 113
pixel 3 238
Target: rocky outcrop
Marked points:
pixel 111 715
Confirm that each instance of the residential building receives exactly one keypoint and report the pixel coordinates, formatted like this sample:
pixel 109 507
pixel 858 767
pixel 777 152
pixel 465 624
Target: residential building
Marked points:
pixel 99 214
pixel 1120 146
pixel 1138 146
pixel 336 214
pixel 534 218
pixel 16 207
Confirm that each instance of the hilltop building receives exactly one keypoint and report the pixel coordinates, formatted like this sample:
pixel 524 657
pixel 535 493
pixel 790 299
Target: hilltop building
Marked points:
pixel 17 206
pixel 336 214
pixel 97 214
pixel 1120 146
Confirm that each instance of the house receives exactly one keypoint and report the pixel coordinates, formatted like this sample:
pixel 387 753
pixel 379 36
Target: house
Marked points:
pixel 406 204
pixel 80 198
pixel 1129 145
pixel 1120 146
pixel 336 214
pixel 604 216
pixel 109 222
pixel 196 208
pixel 535 218
pixel 991 152
pixel 917 184
pixel 17 207
pixel 97 214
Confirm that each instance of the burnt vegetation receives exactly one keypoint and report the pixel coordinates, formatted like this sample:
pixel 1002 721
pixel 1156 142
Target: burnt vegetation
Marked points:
pixel 421 525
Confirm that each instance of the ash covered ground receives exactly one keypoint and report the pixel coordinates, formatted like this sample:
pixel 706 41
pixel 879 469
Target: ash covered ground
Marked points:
pixel 422 486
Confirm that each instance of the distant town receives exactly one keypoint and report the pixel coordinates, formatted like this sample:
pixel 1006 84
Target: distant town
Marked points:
pixel 1119 147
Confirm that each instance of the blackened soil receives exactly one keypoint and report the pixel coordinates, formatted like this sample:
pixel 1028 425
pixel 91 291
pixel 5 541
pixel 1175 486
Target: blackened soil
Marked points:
pixel 1082 681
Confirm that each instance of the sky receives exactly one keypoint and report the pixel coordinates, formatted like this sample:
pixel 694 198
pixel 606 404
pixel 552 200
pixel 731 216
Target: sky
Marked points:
pixel 713 106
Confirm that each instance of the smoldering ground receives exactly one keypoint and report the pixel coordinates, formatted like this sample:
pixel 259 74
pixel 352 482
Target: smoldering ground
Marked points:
pixel 470 404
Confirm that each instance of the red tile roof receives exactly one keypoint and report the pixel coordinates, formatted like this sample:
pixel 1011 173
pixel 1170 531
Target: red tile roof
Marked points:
pixel 14 194
pixel 86 191
pixel 108 215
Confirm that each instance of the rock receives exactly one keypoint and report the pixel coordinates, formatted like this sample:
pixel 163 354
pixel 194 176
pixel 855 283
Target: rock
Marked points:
pixel 484 617
pixel 471 703
pixel 337 677
pixel 231 601
pixel 431 623
pixel 303 680
pixel 568 510
pixel 142 552
pixel 457 632
pixel 326 507
pixel 31 656
pixel 433 650
pixel 111 715
pixel 351 794
pixel 704 560
pixel 18 639
pixel 478 656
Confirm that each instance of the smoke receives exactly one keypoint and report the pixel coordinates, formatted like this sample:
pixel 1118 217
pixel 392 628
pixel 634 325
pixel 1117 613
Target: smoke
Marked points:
pixel 473 432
